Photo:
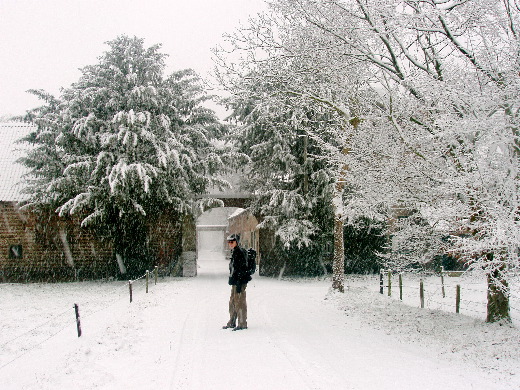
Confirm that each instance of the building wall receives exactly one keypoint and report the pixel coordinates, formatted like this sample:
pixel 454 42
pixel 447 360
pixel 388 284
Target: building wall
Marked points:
pixel 216 216
pixel 43 247
pixel 212 226
pixel 245 224
pixel 165 243
pixel 211 240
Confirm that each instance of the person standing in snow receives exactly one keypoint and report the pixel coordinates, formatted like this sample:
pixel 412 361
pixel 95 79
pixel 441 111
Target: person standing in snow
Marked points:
pixel 238 278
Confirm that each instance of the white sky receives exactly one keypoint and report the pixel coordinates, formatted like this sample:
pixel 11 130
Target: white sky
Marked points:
pixel 44 42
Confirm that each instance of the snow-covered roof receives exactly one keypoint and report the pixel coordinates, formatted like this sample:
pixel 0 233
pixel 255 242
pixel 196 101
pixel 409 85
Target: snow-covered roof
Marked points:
pixel 211 227
pixel 11 172
pixel 237 213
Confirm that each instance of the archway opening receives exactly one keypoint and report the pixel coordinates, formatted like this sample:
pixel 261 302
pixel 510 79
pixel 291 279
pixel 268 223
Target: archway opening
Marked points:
pixel 212 229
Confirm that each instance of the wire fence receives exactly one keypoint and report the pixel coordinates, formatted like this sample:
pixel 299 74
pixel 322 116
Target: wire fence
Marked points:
pixel 30 339
pixel 446 292
pixel 453 294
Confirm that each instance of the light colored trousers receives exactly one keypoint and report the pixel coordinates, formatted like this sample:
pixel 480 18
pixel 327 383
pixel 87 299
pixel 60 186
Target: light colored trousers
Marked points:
pixel 238 307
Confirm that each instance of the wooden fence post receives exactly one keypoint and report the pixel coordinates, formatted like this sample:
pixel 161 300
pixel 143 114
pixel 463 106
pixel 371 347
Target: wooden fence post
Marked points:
pixel 156 272
pixel 381 281
pixel 147 279
pixel 389 283
pixel 78 322
pixel 457 300
pixel 442 282
pixel 401 286
pixel 130 288
pixel 421 293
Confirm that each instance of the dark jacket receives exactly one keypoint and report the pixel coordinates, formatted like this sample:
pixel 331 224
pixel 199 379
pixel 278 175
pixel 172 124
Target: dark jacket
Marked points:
pixel 238 272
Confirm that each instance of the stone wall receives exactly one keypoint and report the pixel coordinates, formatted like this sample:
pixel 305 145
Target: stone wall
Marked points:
pixel 43 247
pixel 165 243
pixel 245 224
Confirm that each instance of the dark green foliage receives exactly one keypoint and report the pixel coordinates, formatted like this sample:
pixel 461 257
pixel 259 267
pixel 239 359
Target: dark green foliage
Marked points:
pixel 363 242
pixel 312 260
pixel 305 261
pixel 287 172
pixel 449 263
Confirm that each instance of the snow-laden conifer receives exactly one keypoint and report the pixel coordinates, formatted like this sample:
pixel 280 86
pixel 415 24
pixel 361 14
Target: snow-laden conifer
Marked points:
pixel 123 144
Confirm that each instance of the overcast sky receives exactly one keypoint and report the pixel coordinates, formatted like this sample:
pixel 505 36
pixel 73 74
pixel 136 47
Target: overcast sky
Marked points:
pixel 44 42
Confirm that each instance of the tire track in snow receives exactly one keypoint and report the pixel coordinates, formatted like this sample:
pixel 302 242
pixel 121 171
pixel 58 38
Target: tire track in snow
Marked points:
pixel 189 347
pixel 316 372
pixel 297 363
pixel 199 331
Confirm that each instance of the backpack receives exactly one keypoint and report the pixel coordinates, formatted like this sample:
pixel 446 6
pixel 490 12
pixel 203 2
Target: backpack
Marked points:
pixel 251 261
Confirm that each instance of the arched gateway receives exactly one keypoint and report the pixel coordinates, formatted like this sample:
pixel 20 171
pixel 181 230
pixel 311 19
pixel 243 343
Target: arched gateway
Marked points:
pixel 192 232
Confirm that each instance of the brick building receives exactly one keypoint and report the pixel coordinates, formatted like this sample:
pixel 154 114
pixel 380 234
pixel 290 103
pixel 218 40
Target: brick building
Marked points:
pixel 262 240
pixel 243 223
pixel 40 246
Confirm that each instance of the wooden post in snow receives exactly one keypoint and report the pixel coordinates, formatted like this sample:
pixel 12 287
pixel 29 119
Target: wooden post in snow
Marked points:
pixel 130 289
pixel 457 300
pixel 147 280
pixel 442 282
pixel 156 272
pixel 389 283
pixel 421 293
pixel 78 322
pixel 401 286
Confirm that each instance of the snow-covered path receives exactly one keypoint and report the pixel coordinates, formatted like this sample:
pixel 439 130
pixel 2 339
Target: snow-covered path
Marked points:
pixel 172 338
pixel 296 340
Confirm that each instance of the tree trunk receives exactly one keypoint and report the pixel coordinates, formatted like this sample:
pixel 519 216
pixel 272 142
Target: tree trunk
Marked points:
pixel 338 265
pixel 497 296
pixel 338 270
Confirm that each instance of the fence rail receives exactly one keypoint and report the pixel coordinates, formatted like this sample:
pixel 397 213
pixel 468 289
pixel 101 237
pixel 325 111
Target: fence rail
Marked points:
pixel 74 317
pixel 445 295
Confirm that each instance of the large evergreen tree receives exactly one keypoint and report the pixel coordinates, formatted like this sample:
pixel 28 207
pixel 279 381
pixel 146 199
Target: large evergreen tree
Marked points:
pixel 286 170
pixel 122 144
pixel 290 179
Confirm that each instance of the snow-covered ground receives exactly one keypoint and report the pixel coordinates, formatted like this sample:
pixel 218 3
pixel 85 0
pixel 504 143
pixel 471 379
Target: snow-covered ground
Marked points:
pixel 473 292
pixel 300 336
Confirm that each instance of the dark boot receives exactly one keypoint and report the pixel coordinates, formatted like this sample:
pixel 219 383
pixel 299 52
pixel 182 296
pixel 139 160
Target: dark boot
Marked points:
pixel 227 326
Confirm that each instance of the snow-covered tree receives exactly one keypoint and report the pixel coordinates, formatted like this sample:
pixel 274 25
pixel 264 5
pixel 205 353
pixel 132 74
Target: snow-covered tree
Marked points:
pixel 123 144
pixel 287 171
pixel 293 68
pixel 457 62
pixel 428 94
pixel 287 174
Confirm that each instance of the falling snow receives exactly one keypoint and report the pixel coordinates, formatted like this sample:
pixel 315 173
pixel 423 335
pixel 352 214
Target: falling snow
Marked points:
pixel 299 336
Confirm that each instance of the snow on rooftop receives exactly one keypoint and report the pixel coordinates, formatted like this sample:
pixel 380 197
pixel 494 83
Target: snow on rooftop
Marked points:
pixel 236 213
pixel 11 172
